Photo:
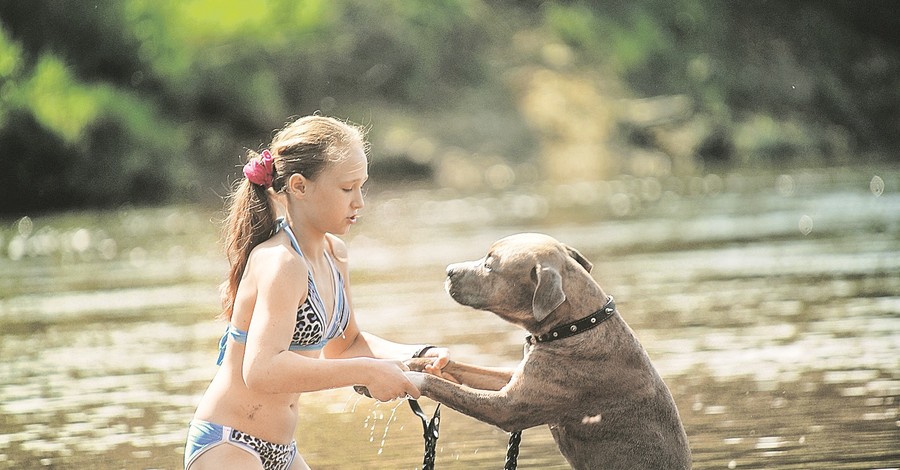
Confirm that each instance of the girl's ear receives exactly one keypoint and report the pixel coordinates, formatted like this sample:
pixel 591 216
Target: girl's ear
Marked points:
pixel 297 185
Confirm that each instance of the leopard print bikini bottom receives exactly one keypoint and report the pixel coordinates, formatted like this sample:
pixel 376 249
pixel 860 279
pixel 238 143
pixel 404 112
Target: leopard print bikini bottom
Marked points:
pixel 203 436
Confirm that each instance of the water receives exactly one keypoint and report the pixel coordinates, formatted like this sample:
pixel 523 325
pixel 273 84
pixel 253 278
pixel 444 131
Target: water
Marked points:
pixel 770 304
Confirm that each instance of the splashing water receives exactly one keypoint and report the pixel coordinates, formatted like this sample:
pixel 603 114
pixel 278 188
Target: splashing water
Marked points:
pixel 387 426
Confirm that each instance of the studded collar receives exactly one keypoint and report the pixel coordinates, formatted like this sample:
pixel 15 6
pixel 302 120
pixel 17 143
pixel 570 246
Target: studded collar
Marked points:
pixel 578 326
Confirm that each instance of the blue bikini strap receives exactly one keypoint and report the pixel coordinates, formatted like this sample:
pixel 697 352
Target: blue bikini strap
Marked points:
pixel 234 333
pixel 281 224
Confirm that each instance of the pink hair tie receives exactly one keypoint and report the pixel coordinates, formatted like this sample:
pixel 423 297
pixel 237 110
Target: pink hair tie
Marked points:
pixel 260 171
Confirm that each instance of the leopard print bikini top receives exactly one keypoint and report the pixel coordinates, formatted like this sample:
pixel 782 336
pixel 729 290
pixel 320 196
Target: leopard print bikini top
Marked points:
pixel 313 328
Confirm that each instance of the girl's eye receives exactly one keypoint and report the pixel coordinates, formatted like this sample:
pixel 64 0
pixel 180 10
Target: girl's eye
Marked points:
pixel 362 189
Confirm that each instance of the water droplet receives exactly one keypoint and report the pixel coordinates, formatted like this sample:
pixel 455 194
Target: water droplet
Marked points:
pixel 806 225
pixel 876 186
pixel 785 185
pixel 25 226
pixel 81 240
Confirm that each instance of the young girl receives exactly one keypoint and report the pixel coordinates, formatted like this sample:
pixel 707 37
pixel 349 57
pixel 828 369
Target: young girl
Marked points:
pixel 291 328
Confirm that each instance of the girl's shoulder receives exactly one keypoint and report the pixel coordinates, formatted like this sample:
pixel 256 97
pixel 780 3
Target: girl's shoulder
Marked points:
pixel 272 257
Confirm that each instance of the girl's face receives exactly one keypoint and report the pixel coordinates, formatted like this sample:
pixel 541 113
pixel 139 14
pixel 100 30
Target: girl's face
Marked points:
pixel 336 196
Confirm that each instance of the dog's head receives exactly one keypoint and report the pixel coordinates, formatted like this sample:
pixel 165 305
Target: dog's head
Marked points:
pixel 521 278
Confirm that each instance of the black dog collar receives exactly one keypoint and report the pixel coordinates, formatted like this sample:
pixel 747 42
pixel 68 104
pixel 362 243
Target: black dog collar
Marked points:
pixel 578 326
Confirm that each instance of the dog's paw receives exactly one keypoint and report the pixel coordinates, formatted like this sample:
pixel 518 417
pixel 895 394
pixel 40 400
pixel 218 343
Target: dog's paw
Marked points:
pixel 418 364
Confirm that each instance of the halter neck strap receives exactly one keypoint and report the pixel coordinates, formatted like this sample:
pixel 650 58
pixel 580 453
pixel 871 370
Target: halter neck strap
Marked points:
pixel 282 224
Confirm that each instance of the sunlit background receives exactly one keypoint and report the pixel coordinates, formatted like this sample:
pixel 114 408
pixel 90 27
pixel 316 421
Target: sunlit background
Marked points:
pixel 731 168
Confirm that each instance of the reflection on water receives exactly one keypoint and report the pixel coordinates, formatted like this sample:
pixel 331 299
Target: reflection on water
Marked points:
pixel 770 304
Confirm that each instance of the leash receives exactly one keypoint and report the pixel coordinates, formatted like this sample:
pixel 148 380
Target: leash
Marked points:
pixel 430 429
pixel 431 432
pixel 512 451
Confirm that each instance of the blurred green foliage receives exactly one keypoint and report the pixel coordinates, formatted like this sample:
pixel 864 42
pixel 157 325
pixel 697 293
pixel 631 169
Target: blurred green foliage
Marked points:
pixel 144 101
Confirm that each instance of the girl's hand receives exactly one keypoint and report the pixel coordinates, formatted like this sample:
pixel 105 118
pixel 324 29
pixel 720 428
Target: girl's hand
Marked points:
pixel 387 381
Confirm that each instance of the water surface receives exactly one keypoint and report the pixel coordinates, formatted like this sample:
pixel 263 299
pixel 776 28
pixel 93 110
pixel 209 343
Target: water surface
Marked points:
pixel 770 305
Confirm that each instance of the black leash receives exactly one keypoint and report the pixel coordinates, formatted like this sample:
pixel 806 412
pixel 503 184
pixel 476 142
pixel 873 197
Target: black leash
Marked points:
pixel 512 451
pixel 431 432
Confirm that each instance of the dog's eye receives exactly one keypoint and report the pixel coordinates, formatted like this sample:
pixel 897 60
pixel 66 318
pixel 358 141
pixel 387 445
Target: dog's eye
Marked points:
pixel 489 263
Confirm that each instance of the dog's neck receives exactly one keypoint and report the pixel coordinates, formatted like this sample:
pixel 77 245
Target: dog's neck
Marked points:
pixel 590 302
pixel 578 326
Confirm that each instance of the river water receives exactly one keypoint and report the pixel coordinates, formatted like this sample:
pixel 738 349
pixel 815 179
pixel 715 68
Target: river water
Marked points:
pixel 769 303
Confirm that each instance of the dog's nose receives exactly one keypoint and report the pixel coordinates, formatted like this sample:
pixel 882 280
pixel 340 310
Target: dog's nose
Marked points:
pixel 452 270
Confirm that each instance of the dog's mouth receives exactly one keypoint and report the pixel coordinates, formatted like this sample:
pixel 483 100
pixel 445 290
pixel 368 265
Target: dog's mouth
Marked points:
pixel 463 297
pixel 451 288
pixel 456 292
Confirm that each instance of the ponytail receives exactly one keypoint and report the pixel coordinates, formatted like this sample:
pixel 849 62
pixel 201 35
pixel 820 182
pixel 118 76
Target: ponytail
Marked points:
pixel 249 221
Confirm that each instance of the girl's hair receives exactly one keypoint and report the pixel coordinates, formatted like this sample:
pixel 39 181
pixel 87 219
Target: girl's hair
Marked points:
pixel 305 146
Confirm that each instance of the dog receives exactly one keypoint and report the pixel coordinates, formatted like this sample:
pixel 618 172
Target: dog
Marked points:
pixel 584 373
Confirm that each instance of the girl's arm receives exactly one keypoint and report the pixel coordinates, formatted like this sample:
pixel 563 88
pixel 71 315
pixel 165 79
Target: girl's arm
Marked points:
pixel 269 365
pixel 356 343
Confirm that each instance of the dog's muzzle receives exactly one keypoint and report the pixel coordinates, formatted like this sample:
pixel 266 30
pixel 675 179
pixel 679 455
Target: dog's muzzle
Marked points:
pixel 456 284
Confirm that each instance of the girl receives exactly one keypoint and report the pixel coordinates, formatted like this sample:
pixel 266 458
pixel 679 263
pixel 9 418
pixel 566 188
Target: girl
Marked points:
pixel 291 328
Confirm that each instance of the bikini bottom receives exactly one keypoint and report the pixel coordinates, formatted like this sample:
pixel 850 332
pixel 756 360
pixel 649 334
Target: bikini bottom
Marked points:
pixel 203 436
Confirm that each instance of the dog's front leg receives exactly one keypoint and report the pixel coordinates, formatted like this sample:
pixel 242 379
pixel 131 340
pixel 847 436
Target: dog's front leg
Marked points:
pixel 504 408
pixel 477 377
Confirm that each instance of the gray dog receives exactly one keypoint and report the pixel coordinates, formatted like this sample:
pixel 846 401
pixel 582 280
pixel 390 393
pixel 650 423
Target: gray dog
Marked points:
pixel 584 372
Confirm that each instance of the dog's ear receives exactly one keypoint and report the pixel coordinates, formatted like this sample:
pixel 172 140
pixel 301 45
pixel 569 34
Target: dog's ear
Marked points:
pixel 548 293
pixel 580 258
